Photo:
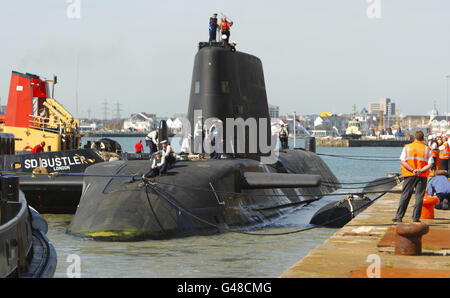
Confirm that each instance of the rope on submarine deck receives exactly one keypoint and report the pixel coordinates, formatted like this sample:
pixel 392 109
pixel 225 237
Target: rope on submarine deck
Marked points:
pixel 133 177
pixel 164 195
pixel 153 210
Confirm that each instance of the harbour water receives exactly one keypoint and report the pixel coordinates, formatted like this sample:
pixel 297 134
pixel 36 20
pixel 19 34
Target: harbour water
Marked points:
pixel 221 255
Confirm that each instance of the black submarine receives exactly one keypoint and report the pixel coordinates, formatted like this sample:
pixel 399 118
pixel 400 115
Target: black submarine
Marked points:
pixel 206 196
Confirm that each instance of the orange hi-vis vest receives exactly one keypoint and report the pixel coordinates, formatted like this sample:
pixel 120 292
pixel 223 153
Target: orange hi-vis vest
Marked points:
pixel 417 155
pixel 225 26
pixel 445 154
pixel 435 153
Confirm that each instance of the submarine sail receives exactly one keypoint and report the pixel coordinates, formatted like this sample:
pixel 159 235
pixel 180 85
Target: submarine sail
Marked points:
pixel 229 85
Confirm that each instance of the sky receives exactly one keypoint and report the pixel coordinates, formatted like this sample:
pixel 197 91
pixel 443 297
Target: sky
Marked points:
pixel 317 55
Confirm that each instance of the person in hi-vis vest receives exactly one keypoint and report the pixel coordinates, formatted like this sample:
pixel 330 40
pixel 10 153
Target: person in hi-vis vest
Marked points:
pixel 416 161
pixel 444 153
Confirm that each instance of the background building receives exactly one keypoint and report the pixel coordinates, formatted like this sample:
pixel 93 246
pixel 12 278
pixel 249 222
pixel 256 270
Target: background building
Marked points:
pixel 274 112
pixel 387 109
pixel 140 122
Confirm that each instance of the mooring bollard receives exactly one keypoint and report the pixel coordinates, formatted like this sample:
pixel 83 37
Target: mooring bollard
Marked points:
pixel 9 193
pixel 408 238
pixel 428 207
pixel 310 144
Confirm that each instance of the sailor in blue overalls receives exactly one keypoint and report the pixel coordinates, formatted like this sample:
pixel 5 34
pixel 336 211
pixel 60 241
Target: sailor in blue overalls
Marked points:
pixel 213 27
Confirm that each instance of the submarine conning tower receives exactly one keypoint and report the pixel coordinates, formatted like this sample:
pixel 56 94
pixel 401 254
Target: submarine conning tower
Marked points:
pixel 229 84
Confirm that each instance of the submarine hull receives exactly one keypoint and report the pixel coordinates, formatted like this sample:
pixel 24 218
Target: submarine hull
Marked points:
pixel 194 198
pixel 338 214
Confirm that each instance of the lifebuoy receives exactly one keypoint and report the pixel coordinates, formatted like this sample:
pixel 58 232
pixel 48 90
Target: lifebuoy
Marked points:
pixel 27 148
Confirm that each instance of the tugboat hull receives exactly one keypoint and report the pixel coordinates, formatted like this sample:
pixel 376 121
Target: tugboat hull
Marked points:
pixel 25 251
pixel 51 195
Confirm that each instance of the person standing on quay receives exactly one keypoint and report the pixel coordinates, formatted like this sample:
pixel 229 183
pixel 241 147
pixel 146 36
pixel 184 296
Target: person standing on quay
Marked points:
pixel 444 153
pixel 416 161
pixel 435 153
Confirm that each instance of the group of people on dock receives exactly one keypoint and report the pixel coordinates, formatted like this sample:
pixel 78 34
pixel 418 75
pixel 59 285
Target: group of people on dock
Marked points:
pixel 438 143
pixel 418 160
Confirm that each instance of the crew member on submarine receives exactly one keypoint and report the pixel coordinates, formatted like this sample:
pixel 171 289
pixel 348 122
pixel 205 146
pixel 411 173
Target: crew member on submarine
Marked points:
pixel 151 140
pixel 159 166
pixel 168 154
pixel 225 28
pixel 138 147
pixel 284 135
pixel 233 46
pixel 215 137
pixel 199 135
pixel 213 27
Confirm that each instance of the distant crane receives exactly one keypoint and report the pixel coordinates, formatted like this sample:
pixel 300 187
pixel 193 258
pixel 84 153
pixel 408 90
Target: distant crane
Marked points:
pixel 380 121
pixel 397 121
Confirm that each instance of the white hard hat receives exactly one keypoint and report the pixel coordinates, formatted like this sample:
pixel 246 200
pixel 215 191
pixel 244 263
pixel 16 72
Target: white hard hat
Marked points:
pixel 224 36
pixel 448 132
pixel 438 134
pixel 430 137
pixel 434 136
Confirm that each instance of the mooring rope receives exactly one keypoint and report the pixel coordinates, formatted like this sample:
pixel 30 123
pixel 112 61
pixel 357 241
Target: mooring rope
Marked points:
pixel 361 157
pixel 58 174
pixel 164 195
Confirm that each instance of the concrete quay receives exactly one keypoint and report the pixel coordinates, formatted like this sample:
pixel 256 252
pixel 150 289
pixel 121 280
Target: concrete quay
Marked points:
pixel 367 241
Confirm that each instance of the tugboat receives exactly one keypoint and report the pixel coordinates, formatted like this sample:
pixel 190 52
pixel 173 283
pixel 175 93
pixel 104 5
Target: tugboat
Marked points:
pixel 26 251
pixel 353 130
pixel 206 196
pixel 33 117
